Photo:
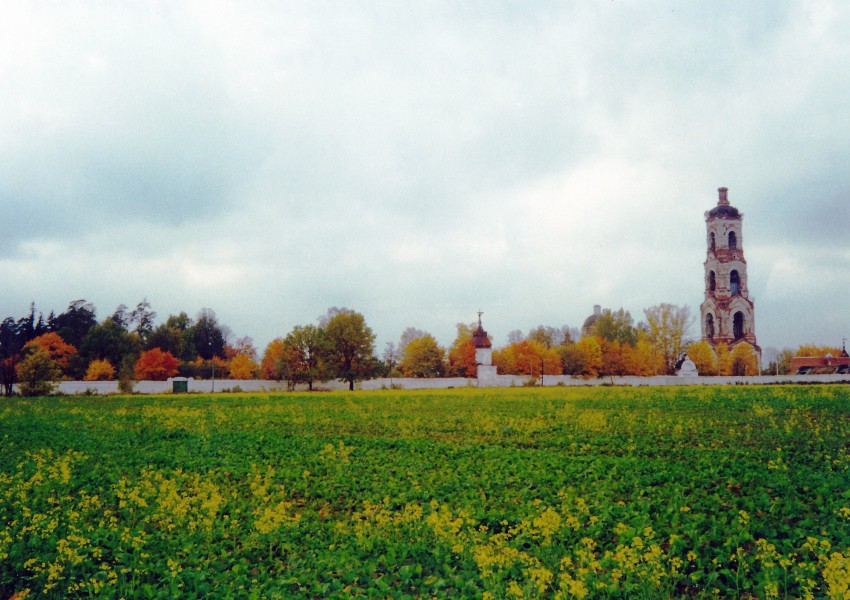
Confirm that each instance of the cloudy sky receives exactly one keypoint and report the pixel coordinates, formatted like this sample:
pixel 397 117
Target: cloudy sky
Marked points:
pixel 417 161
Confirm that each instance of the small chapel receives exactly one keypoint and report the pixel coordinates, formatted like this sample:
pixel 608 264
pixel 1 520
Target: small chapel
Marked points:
pixel 727 314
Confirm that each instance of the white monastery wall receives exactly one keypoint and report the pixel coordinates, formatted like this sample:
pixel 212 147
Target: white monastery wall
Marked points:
pixel 205 386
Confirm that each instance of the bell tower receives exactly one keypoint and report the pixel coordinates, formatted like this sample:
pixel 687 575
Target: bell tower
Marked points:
pixel 727 314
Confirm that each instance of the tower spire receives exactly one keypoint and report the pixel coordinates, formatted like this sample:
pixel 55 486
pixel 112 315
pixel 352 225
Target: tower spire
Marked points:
pixel 722 199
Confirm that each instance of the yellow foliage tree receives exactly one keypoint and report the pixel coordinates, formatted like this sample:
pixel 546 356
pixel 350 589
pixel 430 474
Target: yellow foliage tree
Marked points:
pixel 642 359
pixel 814 350
pixel 590 352
pixel 741 360
pixel 99 370
pixel 242 366
pixel 703 356
pixel 422 357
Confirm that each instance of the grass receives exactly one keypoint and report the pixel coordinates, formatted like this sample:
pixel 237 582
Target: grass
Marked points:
pixel 560 492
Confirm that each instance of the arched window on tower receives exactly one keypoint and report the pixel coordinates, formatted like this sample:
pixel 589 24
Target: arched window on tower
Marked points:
pixel 735 283
pixel 709 326
pixel 733 241
pixel 712 281
pixel 738 325
pixel 711 241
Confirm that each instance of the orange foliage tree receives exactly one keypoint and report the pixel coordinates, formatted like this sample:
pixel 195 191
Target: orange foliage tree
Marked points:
pixel 99 370
pixel 612 358
pixel 155 365
pixel 59 350
pixel 461 355
pixel 461 360
pixel 527 358
pixel 270 366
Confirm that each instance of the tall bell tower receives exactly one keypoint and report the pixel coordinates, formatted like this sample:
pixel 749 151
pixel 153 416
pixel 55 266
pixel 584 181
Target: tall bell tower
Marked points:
pixel 727 314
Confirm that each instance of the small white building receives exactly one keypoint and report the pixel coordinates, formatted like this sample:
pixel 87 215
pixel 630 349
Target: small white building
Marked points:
pixel 484 356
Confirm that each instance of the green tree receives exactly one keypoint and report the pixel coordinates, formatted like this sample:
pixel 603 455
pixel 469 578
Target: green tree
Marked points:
pixel 176 335
pixel 73 324
pixel 781 364
pixel 310 346
pixel 37 372
pixel 208 335
pixel 423 357
pixel 668 327
pixel 351 346
pixel 572 359
pixel 616 327
pixel 110 341
pixel 142 319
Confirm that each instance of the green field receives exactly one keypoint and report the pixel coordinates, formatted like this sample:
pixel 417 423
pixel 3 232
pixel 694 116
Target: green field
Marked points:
pixel 601 493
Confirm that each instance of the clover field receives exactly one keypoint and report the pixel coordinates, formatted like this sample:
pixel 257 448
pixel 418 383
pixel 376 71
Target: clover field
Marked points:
pixel 514 493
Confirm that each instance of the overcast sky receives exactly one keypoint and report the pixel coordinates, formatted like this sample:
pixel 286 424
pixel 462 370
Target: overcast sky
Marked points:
pixel 418 161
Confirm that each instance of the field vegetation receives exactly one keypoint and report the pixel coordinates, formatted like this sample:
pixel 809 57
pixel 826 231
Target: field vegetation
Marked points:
pixel 514 493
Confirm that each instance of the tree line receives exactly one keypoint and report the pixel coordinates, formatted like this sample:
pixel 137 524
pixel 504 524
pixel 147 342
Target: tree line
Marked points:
pixel 129 345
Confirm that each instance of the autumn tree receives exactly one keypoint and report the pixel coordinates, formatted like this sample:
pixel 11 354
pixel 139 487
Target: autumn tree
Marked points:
pixel 668 327
pixel 590 356
pixel 572 359
pixel 741 360
pixel 407 336
pixel 99 370
pixel 642 359
pixel 704 358
pixel 351 346
pixel 155 365
pixel 815 350
pixel 59 351
pixel 422 357
pixel 612 363
pixel 243 345
pixel 242 366
pixel 529 358
pixel 461 354
pixel 269 366
pixel 37 372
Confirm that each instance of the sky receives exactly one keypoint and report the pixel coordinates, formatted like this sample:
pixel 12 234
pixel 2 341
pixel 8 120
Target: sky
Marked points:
pixel 418 162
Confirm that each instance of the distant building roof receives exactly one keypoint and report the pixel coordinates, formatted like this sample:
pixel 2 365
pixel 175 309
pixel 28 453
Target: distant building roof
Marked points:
pixel 480 339
pixel 590 321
